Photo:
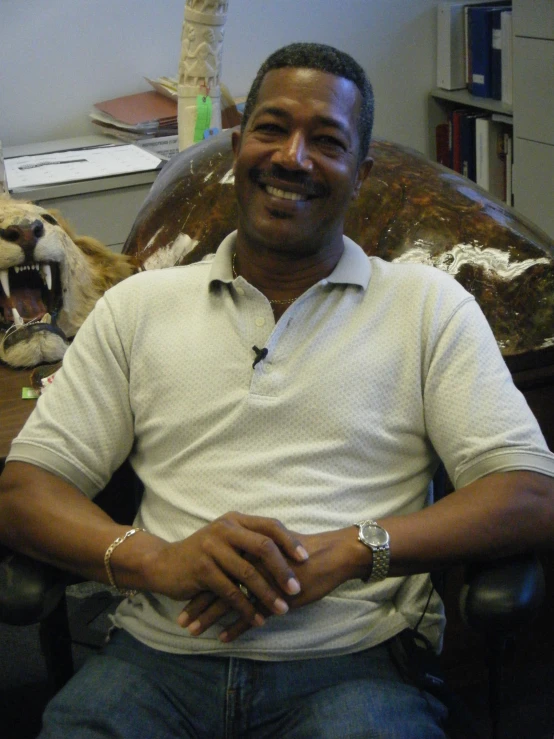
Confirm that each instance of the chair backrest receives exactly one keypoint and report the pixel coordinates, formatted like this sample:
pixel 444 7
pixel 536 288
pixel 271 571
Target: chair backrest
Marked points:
pixel 409 209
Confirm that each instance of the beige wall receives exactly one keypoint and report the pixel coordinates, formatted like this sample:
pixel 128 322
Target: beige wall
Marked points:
pixel 57 57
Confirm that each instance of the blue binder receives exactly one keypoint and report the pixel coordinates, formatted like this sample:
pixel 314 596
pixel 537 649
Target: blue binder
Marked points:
pixel 496 53
pixel 480 20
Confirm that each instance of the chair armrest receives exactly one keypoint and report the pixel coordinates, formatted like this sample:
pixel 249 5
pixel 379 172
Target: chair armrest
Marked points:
pixel 502 595
pixel 29 590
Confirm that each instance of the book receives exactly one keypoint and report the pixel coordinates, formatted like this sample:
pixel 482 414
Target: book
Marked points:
pixel 503 118
pixel 467 47
pixel 457 116
pixel 443 145
pixel 506 94
pixel 143 112
pixel 467 144
pixel 490 157
pixel 450 45
pixel 508 153
pixel 496 53
pixel 479 19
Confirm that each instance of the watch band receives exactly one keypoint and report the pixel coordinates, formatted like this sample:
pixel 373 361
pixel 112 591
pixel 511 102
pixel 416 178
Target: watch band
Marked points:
pixel 381 561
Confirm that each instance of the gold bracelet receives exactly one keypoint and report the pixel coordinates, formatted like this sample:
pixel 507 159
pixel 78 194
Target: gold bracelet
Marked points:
pixel 107 563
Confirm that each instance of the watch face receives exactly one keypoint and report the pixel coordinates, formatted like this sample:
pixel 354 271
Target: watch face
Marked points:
pixel 374 535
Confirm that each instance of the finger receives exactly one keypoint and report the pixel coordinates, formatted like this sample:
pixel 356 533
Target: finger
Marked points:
pixel 286 540
pixel 239 627
pixel 260 546
pixel 245 572
pixel 195 607
pixel 213 614
pixel 233 631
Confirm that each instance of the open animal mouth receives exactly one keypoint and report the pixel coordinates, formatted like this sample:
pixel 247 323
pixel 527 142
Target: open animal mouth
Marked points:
pixel 30 292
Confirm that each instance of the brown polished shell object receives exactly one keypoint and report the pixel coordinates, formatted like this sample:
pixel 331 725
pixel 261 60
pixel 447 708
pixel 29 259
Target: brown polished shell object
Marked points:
pixel 409 209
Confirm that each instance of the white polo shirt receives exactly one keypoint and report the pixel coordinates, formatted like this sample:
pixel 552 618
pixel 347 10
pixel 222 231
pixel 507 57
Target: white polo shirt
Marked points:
pixel 370 375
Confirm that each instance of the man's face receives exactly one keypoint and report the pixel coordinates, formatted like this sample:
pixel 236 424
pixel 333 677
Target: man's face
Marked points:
pixel 296 164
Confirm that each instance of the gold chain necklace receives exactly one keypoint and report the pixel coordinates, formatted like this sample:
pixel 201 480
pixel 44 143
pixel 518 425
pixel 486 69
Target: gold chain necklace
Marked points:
pixel 273 302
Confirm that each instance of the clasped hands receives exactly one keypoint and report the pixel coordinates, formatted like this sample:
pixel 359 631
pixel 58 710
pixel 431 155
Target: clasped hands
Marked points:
pixel 279 568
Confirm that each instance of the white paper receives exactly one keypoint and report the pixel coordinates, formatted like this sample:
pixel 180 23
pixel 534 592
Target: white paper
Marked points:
pixel 164 146
pixel 78 164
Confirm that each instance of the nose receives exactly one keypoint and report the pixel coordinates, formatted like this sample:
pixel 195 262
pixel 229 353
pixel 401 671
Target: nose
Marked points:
pixel 24 234
pixel 293 153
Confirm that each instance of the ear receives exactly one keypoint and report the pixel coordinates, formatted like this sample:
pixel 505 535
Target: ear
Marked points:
pixel 236 139
pixel 363 172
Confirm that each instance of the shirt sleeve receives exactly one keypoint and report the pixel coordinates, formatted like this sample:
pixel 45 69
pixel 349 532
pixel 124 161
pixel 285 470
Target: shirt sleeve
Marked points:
pixel 82 427
pixel 476 418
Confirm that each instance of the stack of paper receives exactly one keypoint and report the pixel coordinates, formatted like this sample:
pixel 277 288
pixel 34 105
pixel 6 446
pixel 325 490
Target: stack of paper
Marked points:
pixel 78 164
pixel 135 116
pixel 165 86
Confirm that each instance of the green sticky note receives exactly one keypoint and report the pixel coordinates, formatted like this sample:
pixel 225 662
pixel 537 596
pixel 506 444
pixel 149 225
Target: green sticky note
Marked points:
pixel 29 393
pixel 203 116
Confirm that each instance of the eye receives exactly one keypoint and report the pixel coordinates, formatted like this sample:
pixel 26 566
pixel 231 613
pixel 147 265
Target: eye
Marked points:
pixel 269 128
pixel 330 143
pixel 49 219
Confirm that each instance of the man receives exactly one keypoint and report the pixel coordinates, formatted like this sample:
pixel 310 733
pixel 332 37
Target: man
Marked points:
pixel 311 389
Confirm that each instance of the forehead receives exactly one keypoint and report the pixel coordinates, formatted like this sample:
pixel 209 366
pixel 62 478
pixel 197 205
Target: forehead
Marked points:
pixel 310 90
pixel 13 211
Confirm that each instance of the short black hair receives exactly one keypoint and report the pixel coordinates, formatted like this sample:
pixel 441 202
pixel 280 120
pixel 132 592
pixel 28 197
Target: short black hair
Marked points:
pixel 325 59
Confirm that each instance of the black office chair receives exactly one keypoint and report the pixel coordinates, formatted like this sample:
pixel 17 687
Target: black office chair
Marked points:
pixel 498 597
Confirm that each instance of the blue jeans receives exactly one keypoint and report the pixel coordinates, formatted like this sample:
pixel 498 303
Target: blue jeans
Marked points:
pixel 135 692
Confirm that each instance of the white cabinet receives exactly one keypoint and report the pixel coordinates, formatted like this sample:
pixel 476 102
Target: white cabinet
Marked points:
pixel 104 208
pixel 533 176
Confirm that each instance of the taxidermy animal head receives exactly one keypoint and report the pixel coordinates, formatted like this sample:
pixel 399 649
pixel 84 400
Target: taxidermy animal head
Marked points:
pixel 50 280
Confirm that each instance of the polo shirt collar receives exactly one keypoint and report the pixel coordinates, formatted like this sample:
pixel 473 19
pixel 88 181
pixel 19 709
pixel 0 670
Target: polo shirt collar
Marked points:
pixel 353 267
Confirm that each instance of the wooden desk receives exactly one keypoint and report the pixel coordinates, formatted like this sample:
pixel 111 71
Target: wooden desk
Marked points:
pixel 14 411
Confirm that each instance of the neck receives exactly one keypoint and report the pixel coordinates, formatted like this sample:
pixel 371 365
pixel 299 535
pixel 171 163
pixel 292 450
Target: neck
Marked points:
pixel 282 275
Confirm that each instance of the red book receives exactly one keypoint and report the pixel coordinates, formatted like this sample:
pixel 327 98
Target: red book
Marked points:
pixel 442 143
pixel 457 116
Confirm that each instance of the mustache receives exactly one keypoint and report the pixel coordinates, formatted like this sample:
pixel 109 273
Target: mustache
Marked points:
pixel 274 174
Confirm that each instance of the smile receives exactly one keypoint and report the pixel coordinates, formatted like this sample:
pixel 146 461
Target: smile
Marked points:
pixel 284 194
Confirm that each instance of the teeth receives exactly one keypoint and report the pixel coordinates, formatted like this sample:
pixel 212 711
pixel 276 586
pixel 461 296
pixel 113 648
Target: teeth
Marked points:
pixel 283 193
pixel 17 318
pixel 4 279
pixel 46 271
pixel 46 318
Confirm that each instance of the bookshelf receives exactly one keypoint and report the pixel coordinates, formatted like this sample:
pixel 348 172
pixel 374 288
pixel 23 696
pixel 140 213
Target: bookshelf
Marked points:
pixel 531 114
pixel 464 98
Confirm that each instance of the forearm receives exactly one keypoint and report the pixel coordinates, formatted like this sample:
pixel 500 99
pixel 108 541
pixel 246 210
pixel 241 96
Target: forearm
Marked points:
pixel 49 519
pixel 495 516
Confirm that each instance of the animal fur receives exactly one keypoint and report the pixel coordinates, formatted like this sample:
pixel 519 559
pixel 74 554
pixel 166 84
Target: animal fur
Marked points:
pixel 53 278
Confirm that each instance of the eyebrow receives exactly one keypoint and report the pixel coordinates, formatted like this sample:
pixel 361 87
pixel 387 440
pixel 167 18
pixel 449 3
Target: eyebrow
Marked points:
pixel 320 119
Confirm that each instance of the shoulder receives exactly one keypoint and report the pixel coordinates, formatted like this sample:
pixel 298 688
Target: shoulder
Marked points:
pixel 412 281
pixel 155 282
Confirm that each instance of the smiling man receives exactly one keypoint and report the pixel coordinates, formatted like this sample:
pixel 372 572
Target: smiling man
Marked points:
pixel 299 162
pixel 309 389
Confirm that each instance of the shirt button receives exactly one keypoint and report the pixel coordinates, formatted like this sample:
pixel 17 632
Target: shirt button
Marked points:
pixel 240 290
pixel 260 321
